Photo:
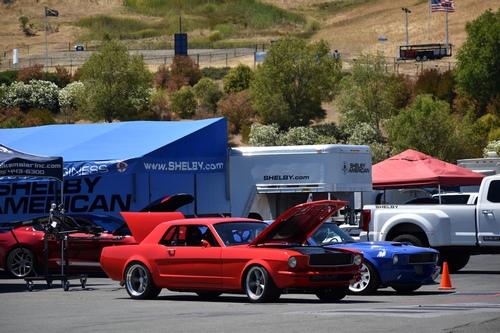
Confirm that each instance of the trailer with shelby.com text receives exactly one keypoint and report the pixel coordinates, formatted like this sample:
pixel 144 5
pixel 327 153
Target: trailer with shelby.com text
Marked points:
pixel 268 180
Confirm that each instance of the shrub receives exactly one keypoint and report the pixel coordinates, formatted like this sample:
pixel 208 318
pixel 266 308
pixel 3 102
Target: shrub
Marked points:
pixel 8 77
pixel 27 74
pixel 162 77
pixel 237 108
pixel 493 146
pixel 183 69
pixel 69 98
pixel 238 79
pixel 36 94
pixel 263 135
pixel 183 103
pixel 208 94
pixel 298 136
pixel 38 117
pixel 363 134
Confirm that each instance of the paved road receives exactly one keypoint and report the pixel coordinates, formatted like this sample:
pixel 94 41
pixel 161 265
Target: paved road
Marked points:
pixel 106 307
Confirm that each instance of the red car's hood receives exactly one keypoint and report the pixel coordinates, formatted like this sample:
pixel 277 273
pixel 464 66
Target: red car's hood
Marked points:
pixel 141 224
pixel 299 222
pixel 169 203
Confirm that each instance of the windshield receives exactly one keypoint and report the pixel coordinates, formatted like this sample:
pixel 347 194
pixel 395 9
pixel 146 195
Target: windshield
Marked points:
pixel 238 233
pixel 330 233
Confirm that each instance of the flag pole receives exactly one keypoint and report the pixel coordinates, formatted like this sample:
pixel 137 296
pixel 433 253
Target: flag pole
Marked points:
pixel 46 43
pixel 446 32
pixel 429 23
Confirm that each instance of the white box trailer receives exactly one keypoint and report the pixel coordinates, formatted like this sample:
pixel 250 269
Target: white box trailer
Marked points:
pixel 487 166
pixel 269 180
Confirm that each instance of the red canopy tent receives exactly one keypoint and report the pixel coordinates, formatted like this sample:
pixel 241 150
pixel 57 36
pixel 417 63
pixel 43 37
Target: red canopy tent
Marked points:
pixel 415 169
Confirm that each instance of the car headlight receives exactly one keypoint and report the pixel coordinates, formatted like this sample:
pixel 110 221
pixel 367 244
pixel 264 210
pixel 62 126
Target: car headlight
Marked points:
pixel 358 259
pixel 292 262
pixel 395 259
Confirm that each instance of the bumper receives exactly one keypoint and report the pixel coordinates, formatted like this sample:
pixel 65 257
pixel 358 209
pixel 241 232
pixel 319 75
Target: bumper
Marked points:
pixel 410 274
pixel 315 279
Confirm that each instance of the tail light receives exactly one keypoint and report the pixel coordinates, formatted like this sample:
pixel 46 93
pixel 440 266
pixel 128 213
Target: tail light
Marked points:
pixel 366 216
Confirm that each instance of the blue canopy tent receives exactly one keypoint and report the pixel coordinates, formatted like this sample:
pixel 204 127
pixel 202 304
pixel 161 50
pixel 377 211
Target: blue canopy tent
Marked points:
pixel 122 166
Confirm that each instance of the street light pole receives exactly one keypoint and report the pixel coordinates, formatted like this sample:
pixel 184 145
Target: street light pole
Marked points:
pixel 407 11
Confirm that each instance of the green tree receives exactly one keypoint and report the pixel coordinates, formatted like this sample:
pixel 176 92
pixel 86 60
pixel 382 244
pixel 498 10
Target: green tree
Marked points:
pixel 208 93
pixel 478 67
pixel 370 95
pixel 238 79
pixel 183 102
pixel 116 84
pixel 293 80
pixel 427 126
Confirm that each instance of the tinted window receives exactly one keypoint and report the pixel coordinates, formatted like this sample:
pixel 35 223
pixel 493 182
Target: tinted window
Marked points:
pixel 237 233
pixel 459 199
pixel 494 191
pixel 188 235
pixel 330 233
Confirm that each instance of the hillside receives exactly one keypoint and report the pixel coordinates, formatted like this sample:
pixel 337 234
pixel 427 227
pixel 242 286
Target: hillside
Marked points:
pixel 351 26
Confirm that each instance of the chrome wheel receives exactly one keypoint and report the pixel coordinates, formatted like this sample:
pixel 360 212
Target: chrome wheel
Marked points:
pixel 139 283
pixel 256 283
pixel 369 281
pixel 20 262
pixel 137 280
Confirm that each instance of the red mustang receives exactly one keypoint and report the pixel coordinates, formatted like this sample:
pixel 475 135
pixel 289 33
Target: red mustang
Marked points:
pixel 21 243
pixel 210 256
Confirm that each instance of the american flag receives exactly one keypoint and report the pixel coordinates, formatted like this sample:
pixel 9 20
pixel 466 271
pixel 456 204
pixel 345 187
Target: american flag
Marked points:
pixel 442 5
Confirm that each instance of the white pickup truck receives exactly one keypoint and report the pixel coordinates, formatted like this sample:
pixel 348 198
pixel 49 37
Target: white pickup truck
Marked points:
pixel 457 231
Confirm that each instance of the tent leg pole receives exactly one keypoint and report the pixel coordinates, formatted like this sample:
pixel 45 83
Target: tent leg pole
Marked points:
pixel 439 193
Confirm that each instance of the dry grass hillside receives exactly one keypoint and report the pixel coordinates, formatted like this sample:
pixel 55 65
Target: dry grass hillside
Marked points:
pixel 353 29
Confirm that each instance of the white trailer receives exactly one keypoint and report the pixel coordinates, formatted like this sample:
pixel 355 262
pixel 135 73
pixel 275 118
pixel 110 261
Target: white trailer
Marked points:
pixel 269 180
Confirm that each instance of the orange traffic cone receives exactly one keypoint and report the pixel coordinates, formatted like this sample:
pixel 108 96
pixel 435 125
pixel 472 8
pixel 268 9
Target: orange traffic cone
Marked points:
pixel 445 278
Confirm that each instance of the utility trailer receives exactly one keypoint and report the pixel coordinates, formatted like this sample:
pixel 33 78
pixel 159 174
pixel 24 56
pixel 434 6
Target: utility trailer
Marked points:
pixel 424 52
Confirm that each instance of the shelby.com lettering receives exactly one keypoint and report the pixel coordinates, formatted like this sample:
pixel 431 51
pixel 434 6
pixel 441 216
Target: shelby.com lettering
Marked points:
pixel 184 166
pixel 285 177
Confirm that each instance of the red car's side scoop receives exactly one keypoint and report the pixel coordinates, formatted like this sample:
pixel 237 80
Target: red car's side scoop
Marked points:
pixel 299 222
pixel 141 224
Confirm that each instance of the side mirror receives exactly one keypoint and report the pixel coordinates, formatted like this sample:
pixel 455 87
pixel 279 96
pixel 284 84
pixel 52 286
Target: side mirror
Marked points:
pixel 205 243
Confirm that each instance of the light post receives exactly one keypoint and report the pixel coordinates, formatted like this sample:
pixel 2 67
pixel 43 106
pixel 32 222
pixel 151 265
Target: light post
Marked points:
pixel 407 11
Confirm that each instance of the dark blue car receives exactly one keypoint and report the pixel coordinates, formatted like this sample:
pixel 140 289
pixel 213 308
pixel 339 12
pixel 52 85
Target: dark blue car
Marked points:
pixel 402 266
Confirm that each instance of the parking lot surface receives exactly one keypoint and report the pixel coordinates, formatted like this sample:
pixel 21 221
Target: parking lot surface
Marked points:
pixel 104 306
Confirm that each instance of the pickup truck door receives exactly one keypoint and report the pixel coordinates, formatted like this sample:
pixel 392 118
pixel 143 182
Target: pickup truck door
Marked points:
pixel 488 213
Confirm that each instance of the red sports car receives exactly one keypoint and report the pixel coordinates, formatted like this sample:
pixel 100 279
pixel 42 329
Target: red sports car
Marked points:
pixel 210 256
pixel 21 244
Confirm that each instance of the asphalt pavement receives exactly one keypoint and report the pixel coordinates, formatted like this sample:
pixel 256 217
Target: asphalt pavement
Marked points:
pixel 104 306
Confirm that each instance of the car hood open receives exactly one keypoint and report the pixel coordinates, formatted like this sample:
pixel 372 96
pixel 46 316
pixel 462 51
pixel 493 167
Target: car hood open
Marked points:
pixel 141 224
pixel 169 203
pixel 298 223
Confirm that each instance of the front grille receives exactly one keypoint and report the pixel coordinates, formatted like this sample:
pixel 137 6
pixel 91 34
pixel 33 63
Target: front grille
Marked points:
pixel 421 258
pixel 330 259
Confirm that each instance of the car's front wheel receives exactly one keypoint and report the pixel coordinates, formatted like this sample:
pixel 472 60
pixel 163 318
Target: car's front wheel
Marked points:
pixel 259 286
pixel 369 281
pixel 139 283
pixel 21 262
pixel 332 294
pixel 406 288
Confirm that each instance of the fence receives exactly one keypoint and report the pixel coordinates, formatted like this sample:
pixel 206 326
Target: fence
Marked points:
pixel 206 58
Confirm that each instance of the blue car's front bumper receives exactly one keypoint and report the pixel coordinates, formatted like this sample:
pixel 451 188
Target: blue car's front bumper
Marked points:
pixel 391 274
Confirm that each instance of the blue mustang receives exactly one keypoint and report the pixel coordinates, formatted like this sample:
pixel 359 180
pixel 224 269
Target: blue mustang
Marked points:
pixel 402 266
